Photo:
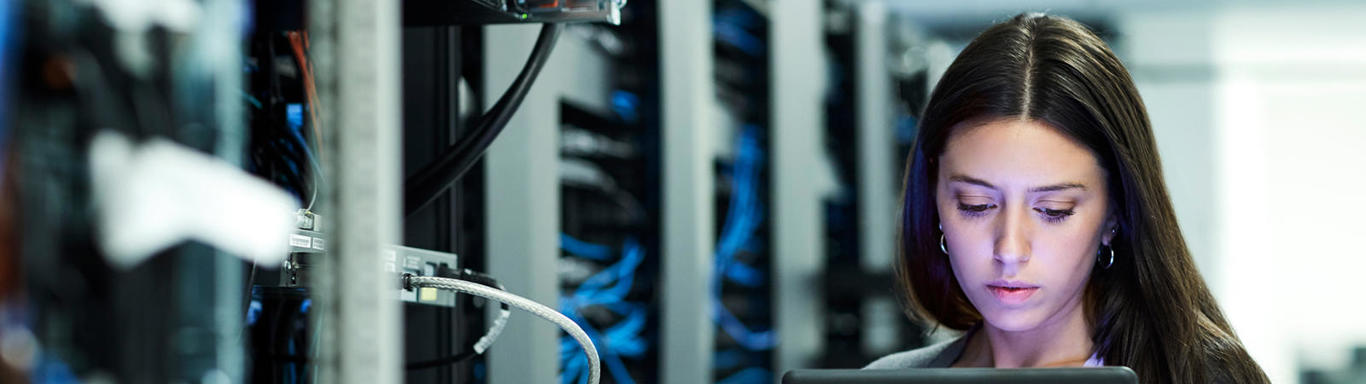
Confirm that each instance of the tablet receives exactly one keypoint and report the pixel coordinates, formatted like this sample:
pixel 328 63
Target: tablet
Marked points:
pixel 1098 375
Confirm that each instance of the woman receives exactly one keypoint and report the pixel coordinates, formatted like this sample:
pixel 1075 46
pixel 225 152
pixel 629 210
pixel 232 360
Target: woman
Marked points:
pixel 1035 217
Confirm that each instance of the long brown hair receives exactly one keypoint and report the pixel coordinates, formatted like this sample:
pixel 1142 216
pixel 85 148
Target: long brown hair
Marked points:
pixel 1151 310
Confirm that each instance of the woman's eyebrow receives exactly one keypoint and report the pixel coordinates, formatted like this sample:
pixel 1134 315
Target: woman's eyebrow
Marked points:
pixel 1047 188
pixel 1058 187
pixel 971 180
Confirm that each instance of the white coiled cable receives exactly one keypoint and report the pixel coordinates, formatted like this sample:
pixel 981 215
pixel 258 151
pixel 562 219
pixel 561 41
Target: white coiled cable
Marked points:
pixel 542 311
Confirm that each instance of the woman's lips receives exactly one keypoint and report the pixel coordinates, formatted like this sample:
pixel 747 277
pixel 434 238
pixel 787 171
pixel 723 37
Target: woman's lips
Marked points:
pixel 1011 292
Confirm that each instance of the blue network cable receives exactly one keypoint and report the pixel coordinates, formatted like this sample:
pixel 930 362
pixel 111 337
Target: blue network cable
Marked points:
pixel 317 335
pixel 9 24
pixel 579 362
pixel 292 374
pixel 50 369
pixel 608 289
pixel 625 104
pixel 584 249
pixel 729 358
pixel 253 311
pixel 738 37
pixel 612 345
pixel 732 26
pixel 294 142
pixel 251 99
pixel 621 275
pixel 744 274
pixel 749 376
pixel 294 115
pixel 742 219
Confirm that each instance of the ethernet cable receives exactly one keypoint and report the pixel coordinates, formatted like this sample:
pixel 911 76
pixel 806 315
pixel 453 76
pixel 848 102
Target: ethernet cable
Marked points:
pixel 542 311
pixel 490 335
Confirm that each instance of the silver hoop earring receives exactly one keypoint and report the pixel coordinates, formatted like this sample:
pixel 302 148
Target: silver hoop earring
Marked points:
pixel 1110 262
pixel 942 246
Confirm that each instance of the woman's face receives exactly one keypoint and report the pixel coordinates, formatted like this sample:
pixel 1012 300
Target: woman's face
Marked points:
pixel 1024 210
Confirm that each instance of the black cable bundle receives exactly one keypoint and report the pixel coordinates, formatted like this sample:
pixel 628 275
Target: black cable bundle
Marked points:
pixel 424 186
pixel 276 151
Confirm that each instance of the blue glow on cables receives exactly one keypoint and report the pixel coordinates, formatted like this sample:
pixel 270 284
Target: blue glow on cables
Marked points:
pixel 584 249
pixel 608 289
pixel 749 376
pixel 625 105
pixel 743 217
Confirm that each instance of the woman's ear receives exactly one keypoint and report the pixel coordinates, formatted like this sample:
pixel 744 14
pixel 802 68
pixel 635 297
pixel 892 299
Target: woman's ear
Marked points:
pixel 1111 228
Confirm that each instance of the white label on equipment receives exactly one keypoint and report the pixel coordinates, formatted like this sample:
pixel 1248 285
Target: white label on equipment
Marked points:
pixel 318 243
pixel 413 263
pixel 300 241
pixel 426 294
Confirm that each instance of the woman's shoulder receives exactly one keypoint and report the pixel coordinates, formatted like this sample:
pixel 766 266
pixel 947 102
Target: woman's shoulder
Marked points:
pixel 939 355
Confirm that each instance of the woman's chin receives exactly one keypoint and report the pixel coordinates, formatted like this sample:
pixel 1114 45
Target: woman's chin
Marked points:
pixel 1013 320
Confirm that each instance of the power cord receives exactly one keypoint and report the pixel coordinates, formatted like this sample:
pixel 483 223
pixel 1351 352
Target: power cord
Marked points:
pixel 594 365
pixel 425 185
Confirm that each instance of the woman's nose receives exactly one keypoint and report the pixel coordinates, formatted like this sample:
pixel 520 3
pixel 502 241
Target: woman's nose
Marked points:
pixel 1012 240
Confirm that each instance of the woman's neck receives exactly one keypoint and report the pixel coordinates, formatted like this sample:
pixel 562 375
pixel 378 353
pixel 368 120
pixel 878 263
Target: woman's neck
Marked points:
pixel 1062 342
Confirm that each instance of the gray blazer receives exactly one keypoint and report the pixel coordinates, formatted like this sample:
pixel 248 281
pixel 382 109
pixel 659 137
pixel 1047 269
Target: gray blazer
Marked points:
pixel 940 355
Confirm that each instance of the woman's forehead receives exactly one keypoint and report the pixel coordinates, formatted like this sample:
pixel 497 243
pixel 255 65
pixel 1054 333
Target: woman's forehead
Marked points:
pixel 1017 153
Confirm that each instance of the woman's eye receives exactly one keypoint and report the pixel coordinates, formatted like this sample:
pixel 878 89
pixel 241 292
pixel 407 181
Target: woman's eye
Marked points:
pixel 975 209
pixel 1055 215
